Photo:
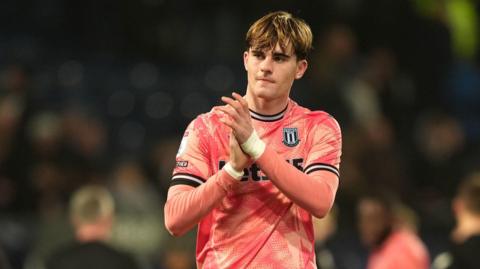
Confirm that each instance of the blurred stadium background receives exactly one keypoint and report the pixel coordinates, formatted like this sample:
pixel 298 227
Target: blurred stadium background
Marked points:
pixel 101 91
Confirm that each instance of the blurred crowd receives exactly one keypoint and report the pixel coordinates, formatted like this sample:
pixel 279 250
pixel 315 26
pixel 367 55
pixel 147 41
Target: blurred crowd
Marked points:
pixel 91 98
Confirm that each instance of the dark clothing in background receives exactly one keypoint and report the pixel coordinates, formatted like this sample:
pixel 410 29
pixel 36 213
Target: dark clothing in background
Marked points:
pixel 466 255
pixel 92 255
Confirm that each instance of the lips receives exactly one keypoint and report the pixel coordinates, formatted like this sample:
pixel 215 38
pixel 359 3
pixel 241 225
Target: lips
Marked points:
pixel 266 80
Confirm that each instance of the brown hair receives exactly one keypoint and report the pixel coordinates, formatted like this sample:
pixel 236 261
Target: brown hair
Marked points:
pixel 282 28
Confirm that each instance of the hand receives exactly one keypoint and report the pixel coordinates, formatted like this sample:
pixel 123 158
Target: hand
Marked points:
pixel 239 117
pixel 238 159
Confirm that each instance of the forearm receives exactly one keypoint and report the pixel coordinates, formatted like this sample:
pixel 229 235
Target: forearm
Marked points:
pixel 314 193
pixel 186 205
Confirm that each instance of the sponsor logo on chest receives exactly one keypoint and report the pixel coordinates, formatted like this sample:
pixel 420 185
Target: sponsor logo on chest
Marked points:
pixel 255 173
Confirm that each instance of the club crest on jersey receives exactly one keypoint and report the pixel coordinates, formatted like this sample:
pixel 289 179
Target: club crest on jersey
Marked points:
pixel 290 137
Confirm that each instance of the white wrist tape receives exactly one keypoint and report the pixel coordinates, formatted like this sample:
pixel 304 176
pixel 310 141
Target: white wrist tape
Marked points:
pixel 254 146
pixel 232 172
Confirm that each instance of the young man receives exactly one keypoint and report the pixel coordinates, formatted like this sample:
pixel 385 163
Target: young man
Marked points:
pixel 253 172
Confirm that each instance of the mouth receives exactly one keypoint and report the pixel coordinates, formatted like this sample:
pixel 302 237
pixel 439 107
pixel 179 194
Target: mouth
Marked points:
pixel 265 80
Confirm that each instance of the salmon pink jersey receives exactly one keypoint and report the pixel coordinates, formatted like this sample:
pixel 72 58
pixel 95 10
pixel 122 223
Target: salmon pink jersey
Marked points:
pixel 256 225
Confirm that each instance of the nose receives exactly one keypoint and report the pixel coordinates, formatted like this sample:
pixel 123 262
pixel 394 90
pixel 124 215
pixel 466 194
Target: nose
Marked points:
pixel 266 65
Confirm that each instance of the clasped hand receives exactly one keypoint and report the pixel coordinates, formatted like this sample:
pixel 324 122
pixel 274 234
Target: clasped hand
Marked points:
pixel 239 120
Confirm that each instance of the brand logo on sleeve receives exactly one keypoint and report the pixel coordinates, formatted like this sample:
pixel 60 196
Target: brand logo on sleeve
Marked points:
pixel 182 164
pixel 290 137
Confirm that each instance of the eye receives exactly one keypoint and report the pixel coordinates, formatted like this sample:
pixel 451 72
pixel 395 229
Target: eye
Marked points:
pixel 258 54
pixel 279 58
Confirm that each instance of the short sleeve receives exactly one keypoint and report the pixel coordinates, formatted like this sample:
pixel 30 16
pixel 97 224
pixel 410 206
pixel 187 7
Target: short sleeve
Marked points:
pixel 326 147
pixel 192 162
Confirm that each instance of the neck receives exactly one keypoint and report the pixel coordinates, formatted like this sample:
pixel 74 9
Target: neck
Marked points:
pixel 265 106
pixel 92 232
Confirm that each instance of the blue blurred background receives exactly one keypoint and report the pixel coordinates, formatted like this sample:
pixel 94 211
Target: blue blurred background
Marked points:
pixel 101 91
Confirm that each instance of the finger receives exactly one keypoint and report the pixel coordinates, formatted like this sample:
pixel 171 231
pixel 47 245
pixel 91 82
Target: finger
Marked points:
pixel 230 122
pixel 229 111
pixel 241 100
pixel 227 122
pixel 235 104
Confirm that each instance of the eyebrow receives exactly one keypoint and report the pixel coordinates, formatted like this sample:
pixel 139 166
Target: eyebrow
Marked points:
pixel 281 54
pixel 274 54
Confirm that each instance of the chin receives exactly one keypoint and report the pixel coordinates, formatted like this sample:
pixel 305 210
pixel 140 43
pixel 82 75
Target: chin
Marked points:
pixel 266 93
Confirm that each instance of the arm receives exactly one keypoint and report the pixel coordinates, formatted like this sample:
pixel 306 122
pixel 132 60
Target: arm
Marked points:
pixel 314 192
pixel 187 205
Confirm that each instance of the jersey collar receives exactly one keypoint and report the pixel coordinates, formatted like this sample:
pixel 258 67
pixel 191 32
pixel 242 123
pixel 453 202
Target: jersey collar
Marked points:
pixel 268 118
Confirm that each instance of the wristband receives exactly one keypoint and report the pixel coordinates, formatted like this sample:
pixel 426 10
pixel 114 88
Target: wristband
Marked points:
pixel 232 172
pixel 254 146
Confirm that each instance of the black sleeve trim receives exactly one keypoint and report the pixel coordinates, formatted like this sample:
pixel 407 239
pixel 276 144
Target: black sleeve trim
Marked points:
pixel 187 175
pixel 321 166
pixel 183 181
pixel 186 179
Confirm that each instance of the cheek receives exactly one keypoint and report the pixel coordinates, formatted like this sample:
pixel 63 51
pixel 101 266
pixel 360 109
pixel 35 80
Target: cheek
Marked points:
pixel 251 73
pixel 251 68
pixel 290 73
pixel 287 78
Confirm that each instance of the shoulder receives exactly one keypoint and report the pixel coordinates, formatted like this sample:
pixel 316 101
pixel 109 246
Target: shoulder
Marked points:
pixel 123 257
pixel 62 255
pixel 315 117
pixel 321 120
pixel 468 247
pixel 64 250
pixel 77 249
pixel 208 119
pixel 202 131
pixel 86 255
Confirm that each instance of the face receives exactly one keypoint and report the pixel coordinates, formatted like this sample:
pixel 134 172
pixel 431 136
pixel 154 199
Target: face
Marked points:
pixel 271 72
pixel 373 221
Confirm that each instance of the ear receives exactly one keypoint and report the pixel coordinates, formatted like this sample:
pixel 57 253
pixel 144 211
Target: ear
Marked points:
pixel 302 66
pixel 245 59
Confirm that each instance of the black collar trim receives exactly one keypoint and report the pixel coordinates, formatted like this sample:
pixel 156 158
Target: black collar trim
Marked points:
pixel 268 118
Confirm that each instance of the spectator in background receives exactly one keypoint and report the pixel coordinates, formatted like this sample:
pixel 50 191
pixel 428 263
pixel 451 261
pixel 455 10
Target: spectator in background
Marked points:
pixel 139 225
pixel 324 229
pixel 92 213
pixel 334 61
pixel 466 235
pixel 392 243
